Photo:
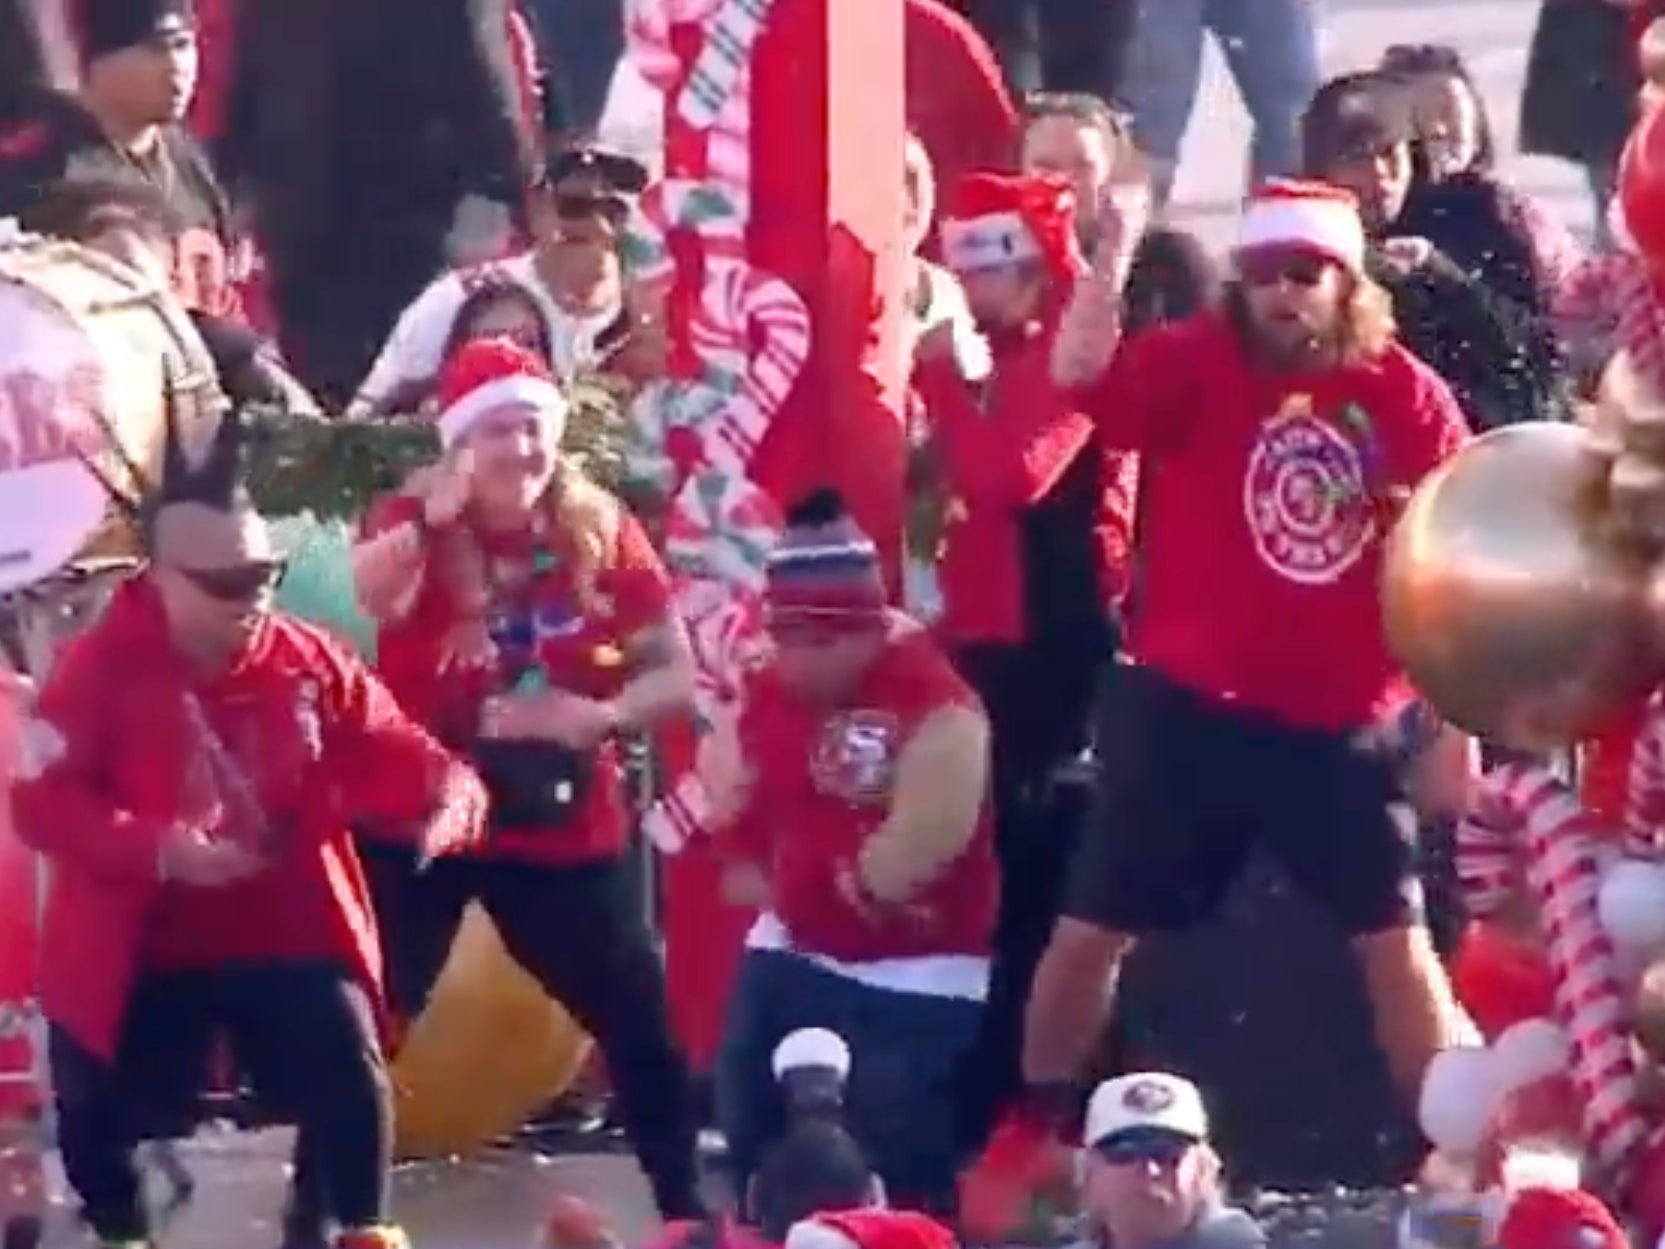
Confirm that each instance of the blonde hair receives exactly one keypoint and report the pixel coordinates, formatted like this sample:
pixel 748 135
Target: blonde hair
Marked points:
pixel 589 517
pixel 584 518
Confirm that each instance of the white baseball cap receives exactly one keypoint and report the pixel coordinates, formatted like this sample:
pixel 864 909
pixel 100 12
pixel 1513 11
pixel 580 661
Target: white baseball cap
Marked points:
pixel 1151 1100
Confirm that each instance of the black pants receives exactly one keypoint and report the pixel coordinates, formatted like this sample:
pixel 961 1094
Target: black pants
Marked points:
pixel 1188 786
pixel 1040 701
pixel 579 931
pixel 1059 45
pixel 303 1033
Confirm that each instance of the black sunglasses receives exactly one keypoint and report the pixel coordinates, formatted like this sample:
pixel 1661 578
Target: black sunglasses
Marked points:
pixel 1165 1151
pixel 1276 268
pixel 240 584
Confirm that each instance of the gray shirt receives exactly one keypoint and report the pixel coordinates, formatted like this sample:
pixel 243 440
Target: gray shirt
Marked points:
pixel 1217 1227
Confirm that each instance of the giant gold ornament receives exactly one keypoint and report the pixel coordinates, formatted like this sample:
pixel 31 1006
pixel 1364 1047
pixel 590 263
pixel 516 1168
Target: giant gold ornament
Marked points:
pixel 490 1048
pixel 1514 606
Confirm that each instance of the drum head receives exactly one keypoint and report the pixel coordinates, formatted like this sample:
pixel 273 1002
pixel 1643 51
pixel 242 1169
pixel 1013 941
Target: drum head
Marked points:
pixel 52 386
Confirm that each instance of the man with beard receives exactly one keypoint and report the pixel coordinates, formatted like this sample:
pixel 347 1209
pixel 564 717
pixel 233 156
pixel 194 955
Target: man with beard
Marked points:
pixel 139 71
pixel 1357 133
pixel 1281 435
pixel 573 270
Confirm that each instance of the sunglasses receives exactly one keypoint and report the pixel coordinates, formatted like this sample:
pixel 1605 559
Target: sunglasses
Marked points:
pixel 579 206
pixel 1277 268
pixel 1165 1151
pixel 236 585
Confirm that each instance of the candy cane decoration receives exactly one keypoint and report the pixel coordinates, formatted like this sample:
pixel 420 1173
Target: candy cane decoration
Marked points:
pixel 746 343
pixel 1644 814
pixel 1487 857
pixel 1557 844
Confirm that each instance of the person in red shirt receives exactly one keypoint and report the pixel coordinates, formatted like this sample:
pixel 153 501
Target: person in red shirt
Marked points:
pixel 525 618
pixel 859 823
pixel 1280 436
pixel 194 762
pixel 1033 564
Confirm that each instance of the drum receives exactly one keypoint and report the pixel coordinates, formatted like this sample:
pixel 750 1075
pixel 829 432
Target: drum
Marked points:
pixel 92 356
pixel 489 1049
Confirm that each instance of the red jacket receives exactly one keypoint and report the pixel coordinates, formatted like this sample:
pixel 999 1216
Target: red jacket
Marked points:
pixel 956 98
pixel 1005 445
pixel 580 650
pixel 1266 502
pixel 821 787
pixel 315 738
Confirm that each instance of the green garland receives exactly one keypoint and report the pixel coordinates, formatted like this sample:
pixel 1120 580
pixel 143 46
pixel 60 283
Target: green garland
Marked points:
pixel 332 469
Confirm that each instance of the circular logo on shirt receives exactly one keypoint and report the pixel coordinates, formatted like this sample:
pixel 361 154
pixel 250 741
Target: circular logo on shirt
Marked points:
pixel 1305 499
pixel 854 756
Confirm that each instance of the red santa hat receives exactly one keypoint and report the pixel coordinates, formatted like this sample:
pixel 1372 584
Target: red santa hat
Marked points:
pixel 869 1229
pixel 1559 1218
pixel 492 373
pixel 1308 216
pixel 995 219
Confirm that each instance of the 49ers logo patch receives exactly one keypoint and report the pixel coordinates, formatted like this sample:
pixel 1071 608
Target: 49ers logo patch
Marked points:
pixel 1305 499
pixel 854 757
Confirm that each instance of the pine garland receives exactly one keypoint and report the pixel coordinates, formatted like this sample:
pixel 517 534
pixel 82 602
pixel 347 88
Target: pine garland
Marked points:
pixel 332 469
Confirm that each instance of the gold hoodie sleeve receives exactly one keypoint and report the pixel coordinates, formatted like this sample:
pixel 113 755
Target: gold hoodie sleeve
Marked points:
pixel 936 802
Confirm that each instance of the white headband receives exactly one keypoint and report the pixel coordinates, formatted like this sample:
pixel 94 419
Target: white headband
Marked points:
pixel 973 243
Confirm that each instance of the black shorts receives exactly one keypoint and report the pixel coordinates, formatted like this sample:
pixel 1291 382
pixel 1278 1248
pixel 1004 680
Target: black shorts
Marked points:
pixel 1188 786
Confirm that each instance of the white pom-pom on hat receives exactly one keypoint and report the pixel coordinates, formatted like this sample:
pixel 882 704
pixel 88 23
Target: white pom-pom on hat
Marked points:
pixel 1529 1051
pixel 1459 1098
pixel 811 1047
pixel 1631 904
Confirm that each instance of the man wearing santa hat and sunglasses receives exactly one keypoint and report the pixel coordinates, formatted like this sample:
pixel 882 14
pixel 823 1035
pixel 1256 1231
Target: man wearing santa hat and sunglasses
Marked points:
pixel 579 205
pixel 1280 436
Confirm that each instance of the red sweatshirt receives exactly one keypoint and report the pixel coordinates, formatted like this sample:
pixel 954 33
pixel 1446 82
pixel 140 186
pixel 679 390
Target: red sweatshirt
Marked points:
pixel 822 787
pixel 1006 446
pixel 1267 499
pixel 579 651
pixel 315 743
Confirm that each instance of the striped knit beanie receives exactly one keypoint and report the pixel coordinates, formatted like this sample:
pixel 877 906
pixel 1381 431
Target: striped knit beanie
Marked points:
pixel 824 572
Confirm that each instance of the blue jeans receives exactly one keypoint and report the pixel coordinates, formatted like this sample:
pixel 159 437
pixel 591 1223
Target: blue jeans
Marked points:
pixel 1271 48
pixel 905 1054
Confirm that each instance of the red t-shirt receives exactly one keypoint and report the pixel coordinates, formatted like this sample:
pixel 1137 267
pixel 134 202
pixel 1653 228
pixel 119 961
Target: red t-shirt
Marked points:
pixel 1266 502
pixel 538 621
pixel 821 787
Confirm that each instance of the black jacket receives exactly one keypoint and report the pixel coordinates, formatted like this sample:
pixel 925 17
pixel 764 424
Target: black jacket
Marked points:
pixel 1480 315
pixel 1478 341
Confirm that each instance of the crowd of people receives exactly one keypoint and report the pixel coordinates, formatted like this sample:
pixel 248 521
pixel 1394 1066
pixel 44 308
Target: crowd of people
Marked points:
pixel 1142 637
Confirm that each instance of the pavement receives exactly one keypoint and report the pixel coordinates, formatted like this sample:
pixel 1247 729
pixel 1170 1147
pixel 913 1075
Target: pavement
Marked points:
pixel 1492 35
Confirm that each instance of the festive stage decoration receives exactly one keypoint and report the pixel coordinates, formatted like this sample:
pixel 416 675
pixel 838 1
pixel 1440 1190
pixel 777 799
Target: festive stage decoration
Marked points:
pixel 739 341
pixel 1561 969
pixel 490 1048
pixel 766 220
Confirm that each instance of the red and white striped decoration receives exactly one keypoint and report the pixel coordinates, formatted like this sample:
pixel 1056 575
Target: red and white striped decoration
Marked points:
pixel 1556 845
pixel 747 330
pixel 1644 814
